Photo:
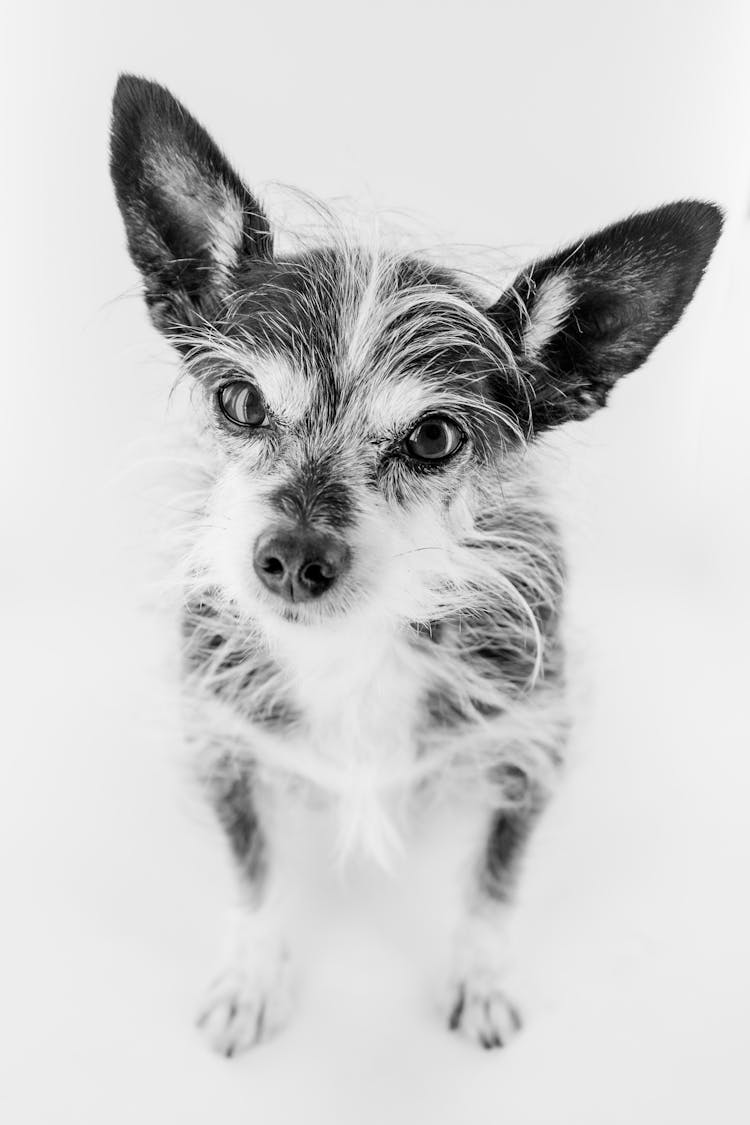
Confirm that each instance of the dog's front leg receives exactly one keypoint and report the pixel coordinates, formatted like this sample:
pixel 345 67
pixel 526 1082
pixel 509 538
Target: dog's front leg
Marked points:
pixel 250 997
pixel 480 1006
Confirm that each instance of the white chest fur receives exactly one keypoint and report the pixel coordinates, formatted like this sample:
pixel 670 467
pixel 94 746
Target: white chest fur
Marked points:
pixel 359 685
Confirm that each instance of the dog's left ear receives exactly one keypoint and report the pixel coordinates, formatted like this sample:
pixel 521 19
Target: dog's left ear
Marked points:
pixel 581 319
pixel 189 218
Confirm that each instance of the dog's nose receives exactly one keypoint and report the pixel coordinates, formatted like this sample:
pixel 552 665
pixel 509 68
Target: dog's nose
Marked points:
pixel 299 565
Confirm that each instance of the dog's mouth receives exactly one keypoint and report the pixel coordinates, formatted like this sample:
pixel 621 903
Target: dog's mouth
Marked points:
pixel 307 613
pixel 289 612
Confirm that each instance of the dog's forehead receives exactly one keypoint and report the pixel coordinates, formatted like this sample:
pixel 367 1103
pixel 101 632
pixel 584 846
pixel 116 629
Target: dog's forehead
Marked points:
pixel 336 334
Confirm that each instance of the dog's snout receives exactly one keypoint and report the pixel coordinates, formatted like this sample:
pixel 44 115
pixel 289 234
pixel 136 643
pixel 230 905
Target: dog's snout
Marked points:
pixel 299 564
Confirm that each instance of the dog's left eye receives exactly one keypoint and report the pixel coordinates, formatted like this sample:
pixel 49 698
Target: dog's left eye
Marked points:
pixel 434 439
pixel 242 403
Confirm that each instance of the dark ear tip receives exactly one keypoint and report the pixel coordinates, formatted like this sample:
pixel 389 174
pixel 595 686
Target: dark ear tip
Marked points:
pixel 127 82
pixel 140 107
pixel 129 104
pixel 130 89
pixel 703 220
pixel 707 215
pixel 135 95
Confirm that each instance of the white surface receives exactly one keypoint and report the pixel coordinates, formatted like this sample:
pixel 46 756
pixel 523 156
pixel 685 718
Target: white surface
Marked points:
pixel 496 125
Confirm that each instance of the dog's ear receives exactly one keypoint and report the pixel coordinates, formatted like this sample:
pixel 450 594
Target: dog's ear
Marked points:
pixel 580 319
pixel 190 220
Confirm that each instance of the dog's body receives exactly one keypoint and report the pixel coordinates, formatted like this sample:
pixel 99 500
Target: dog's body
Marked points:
pixel 375 583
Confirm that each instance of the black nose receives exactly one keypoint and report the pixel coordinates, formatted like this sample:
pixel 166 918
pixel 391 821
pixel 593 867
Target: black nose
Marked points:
pixel 299 565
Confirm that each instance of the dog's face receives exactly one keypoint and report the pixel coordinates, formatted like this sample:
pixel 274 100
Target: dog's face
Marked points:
pixel 365 409
pixel 357 431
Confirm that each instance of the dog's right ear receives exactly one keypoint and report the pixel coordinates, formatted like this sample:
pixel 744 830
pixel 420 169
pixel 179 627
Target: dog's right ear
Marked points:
pixel 190 220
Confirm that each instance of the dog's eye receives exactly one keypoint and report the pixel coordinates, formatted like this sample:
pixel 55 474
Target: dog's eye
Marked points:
pixel 242 403
pixel 434 439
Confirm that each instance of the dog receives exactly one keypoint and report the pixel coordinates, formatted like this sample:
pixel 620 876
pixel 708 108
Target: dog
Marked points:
pixel 374 585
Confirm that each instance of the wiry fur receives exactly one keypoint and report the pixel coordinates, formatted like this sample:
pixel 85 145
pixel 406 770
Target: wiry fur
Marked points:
pixel 442 650
pixel 435 659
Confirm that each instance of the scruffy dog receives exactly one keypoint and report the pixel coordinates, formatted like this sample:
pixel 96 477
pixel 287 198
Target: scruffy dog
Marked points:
pixel 375 582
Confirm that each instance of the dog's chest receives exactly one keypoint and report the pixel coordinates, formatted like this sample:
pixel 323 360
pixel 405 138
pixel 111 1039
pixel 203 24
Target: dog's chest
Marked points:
pixel 360 692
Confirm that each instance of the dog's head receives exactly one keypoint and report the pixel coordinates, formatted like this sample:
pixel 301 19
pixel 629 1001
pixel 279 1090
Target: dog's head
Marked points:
pixel 366 407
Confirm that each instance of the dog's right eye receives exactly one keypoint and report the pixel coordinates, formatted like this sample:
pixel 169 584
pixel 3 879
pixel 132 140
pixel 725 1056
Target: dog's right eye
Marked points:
pixel 242 403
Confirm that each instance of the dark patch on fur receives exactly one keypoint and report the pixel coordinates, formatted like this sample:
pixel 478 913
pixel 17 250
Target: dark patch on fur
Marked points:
pixel 212 653
pixel 231 793
pixel 316 495
pixel 497 641
pixel 506 841
pixel 444 709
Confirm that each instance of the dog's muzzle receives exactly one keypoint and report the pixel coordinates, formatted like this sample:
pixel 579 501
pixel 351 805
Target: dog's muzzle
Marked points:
pixel 300 564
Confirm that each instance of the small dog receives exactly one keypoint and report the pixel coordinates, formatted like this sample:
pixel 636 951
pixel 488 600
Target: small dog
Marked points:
pixel 375 584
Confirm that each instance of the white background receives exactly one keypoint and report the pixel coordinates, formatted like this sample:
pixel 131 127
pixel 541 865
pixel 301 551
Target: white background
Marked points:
pixel 497 124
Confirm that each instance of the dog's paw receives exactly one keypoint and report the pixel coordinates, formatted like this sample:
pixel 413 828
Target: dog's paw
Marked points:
pixel 245 1006
pixel 479 1005
pixel 483 1014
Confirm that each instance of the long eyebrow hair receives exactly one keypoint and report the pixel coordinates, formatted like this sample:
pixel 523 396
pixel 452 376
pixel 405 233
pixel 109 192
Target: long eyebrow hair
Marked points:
pixel 348 318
